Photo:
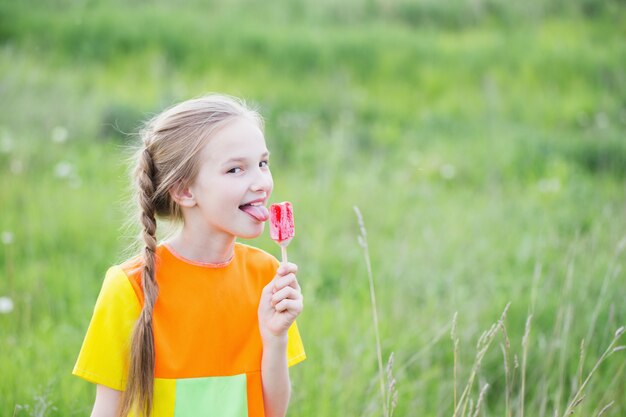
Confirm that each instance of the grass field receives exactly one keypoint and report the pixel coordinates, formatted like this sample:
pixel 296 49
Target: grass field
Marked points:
pixel 483 142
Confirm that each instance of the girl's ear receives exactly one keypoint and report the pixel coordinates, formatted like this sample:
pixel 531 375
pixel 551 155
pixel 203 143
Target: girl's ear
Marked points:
pixel 182 194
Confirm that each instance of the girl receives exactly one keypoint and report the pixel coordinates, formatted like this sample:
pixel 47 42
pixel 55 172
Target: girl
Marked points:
pixel 198 325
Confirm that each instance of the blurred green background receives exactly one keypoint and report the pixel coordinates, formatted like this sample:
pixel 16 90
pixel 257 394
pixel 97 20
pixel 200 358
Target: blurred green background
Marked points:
pixel 483 141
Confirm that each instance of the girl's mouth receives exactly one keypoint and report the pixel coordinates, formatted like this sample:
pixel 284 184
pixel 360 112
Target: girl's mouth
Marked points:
pixel 256 210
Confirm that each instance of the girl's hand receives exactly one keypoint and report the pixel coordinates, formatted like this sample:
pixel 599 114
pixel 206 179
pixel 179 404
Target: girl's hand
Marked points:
pixel 281 302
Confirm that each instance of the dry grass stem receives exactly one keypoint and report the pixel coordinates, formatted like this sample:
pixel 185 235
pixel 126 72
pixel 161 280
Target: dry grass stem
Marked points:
pixel 506 347
pixel 480 399
pixel 455 345
pixel 484 342
pixel 605 408
pixel 578 396
pixel 525 340
pixel 616 377
pixel 505 355
pixel 392 392
pixel 581 361
pixel 563 355
pixel 363 242
pixel 613 271
pixel 582 397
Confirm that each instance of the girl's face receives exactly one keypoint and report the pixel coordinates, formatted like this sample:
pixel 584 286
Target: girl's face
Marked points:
pixel 234 182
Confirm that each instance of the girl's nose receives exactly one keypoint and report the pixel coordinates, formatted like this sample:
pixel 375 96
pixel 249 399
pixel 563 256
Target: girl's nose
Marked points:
pixel 263 182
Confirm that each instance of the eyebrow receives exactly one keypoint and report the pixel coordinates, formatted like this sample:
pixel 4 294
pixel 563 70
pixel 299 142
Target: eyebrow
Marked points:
pixel 265 154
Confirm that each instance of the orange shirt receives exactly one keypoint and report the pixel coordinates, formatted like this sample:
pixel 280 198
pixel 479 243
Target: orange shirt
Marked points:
pixel 207 340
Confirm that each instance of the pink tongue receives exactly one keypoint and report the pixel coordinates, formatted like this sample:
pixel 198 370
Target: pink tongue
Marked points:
pixel 258 212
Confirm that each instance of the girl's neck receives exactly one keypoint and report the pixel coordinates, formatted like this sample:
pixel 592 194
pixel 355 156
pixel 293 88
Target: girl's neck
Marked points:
pixel 203 248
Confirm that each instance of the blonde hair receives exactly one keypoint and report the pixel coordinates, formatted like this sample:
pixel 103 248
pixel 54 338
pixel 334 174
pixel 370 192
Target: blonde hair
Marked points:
pixel 168 156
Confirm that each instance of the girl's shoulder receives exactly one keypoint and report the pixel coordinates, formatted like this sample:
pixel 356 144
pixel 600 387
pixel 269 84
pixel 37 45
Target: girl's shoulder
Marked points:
pixel 120 275
pixel 132 265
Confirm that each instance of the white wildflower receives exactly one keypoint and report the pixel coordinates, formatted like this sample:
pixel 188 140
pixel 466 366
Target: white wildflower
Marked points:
pixel 6 305
pixel 7 237
pixel 63 170
pixel 59 134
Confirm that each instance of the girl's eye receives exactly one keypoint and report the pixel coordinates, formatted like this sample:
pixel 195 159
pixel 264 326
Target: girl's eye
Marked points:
pixel 234 170
pixel 264 164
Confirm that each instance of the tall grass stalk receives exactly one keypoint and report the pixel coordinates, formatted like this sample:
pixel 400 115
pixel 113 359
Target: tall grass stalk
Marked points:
pixel 392 392
pixel 581 361
pixel 567 315
pixel 613 271
pixel 484 342
pixel 616 377
pixel 506 347
pixel 524 358
pixel 455 343
pixel 481 396
pixel 579 396
pixel 605 408
pixel 507 382
pixel 363 242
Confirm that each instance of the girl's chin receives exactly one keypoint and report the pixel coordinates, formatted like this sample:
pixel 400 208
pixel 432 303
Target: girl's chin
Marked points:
pixel 251 234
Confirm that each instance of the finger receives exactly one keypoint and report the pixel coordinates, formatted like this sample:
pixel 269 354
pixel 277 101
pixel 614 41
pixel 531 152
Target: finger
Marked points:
pixel 287 268
pixel 291 306
pixel 295 284
pixel 288 280
pixel 287 292
pixel 284 281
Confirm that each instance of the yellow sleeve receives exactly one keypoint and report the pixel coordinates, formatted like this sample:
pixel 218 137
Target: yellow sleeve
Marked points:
pixel 295 348
pixel 103 358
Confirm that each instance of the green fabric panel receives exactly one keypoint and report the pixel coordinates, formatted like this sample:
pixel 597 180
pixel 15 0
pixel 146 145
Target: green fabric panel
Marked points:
pixel 220 396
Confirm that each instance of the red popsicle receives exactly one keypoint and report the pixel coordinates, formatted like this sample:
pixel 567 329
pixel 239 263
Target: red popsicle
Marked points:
pixel 282 227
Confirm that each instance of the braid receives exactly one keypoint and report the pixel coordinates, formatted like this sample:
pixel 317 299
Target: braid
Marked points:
pixel 140 384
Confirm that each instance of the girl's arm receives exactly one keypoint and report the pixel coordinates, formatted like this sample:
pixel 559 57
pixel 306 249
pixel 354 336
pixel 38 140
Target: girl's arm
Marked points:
pixel 275 377
pixel 107 402
pixel 281 302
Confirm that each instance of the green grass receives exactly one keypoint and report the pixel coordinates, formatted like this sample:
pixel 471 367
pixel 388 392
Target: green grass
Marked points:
pixel 484 146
